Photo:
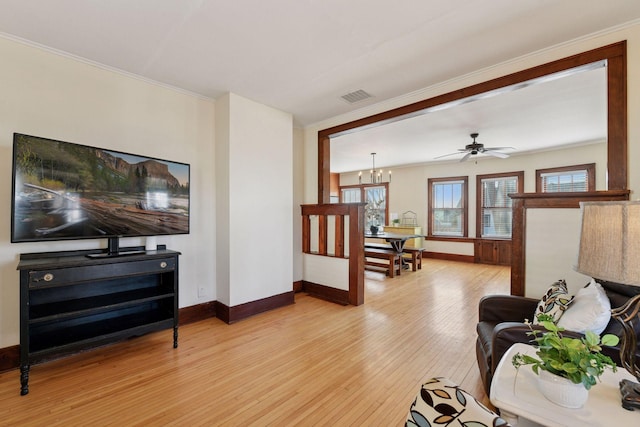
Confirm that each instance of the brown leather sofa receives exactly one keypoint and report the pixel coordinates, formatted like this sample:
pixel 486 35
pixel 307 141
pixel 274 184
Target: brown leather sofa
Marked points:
pixel 502 319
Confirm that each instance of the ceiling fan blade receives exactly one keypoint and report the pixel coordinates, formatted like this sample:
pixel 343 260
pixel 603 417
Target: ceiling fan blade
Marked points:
pixel 466 156
pixel 498 148
pixel 496 154
pixel 445 155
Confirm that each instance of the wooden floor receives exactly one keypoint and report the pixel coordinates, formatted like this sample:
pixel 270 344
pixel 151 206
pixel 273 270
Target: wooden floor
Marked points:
pixel 311 363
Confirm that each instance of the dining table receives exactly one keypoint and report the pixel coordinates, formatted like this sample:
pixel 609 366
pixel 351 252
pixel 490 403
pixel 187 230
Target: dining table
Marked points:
pixel 395 240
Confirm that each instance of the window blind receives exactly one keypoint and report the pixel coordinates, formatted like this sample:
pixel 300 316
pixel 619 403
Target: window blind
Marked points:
pixel 351 195
pixel 447 208
pixel 496 206
pixel 572 181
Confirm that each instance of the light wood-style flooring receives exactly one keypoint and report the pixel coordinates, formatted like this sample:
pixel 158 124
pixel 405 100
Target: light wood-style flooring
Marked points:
pixel 313 363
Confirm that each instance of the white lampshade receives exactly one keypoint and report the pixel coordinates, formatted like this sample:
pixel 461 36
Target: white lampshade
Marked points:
pixel 610 241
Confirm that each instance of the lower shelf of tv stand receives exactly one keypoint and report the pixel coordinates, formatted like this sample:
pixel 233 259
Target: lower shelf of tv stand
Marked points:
pixel 70 303
pixel 75 338
pixel 58 311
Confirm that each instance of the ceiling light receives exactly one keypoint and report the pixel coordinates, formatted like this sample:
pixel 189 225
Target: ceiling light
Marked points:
pixel 375 174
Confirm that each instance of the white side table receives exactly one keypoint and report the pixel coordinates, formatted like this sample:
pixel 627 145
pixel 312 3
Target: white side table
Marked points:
pixel 515 392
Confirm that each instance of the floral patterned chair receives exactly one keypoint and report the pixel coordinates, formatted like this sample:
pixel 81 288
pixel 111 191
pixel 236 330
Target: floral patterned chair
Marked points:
pixel 441 402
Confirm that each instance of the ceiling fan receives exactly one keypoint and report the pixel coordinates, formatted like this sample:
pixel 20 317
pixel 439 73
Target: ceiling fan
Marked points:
pixel 475 148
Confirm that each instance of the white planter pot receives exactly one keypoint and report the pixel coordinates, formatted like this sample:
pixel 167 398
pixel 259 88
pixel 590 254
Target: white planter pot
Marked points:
pixel 562 391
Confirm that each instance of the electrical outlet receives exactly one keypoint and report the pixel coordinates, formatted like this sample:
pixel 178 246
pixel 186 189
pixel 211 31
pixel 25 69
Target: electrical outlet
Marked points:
pixel 201 292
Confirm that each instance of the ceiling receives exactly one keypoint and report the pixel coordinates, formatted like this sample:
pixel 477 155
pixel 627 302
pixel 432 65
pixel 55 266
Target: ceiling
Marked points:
pixel 302 56
pixel 542 115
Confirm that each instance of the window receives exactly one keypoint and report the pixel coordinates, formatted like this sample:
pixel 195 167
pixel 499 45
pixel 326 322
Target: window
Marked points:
pixel 448 206
pixel 494 213
pixel 350 195
pixel 567 179
pixel 375 195
pixel 376 209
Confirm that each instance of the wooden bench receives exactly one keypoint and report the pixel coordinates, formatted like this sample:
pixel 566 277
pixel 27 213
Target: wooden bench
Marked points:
pixel 377 245
pixel 393 260
pixel 415 254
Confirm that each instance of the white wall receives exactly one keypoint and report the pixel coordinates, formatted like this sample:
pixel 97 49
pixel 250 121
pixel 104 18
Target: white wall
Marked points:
pixel 260 201
pixel 550 258
pixel 298 198
pixel 630 33
pixel 52 96
pixel 327 271
pixel 223 213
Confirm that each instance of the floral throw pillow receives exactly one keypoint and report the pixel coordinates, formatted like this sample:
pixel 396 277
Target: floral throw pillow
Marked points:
pixel 554 302
pixel 441 402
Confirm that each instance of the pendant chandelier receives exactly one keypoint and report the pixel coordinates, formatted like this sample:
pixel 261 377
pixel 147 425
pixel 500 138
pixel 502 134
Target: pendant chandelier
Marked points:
pixel 375 175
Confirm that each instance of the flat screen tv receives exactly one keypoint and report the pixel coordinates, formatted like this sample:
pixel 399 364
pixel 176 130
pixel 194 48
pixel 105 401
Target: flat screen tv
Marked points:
pixel 63 190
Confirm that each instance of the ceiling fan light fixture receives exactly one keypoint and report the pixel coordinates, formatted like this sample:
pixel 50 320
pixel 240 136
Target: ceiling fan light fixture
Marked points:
pixel 476 148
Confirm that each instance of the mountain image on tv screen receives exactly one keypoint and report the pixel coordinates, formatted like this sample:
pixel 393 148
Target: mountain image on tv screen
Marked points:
pixel 64 191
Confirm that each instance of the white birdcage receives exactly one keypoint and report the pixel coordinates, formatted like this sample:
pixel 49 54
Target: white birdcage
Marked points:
pixel 409 219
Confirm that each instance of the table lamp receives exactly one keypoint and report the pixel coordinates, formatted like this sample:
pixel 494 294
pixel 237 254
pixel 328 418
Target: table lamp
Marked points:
pixel 610 250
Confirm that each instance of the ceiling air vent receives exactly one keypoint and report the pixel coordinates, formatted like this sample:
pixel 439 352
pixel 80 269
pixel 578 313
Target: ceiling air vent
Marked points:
pixel 357 96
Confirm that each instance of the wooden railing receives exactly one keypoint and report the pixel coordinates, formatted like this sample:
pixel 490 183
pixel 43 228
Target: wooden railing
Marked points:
pixel 355 239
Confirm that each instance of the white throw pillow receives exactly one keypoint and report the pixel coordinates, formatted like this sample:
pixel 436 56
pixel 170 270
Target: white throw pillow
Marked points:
pixel 590 310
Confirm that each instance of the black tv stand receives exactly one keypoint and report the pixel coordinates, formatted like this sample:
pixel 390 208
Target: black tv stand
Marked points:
pixel 70 302
pixel 116 254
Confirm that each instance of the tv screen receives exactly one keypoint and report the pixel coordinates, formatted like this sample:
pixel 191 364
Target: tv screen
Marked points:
pixel 63 190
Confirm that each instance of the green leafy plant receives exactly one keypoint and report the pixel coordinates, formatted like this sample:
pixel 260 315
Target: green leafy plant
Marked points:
pixel 578 359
